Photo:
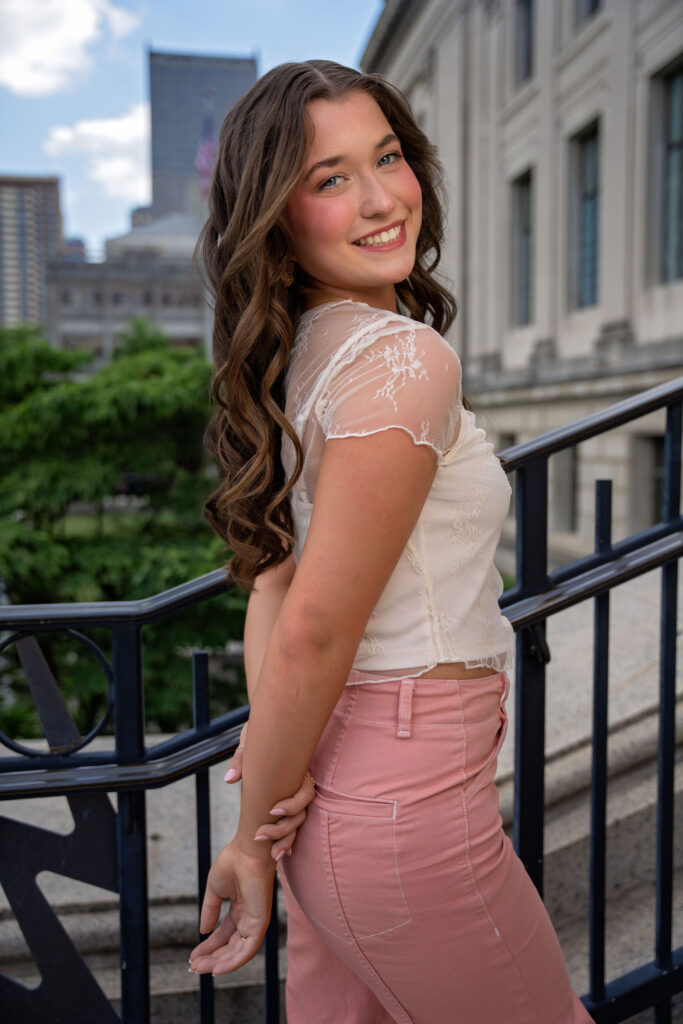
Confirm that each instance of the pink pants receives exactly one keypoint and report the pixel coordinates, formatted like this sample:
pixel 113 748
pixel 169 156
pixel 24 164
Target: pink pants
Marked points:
pixel 405 900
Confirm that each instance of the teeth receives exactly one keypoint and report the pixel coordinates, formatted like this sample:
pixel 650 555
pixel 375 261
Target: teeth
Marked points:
pixel 382 237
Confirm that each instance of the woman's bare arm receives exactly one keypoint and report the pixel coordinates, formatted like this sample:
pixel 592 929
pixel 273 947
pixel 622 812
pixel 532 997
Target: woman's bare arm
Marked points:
pixel 265 602
pixel 370 492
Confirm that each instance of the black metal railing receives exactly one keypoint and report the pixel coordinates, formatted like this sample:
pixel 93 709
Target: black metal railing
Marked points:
pixel 108 848
pixel 540 594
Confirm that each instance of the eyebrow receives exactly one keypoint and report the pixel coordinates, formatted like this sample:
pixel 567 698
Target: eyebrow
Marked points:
pixel 332 161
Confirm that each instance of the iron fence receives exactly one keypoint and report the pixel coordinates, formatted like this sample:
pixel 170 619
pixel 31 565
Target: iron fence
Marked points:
pixel 108 848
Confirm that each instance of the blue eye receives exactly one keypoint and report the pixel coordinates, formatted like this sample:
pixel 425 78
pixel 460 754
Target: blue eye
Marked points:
pixel 326 183
pixel 390 158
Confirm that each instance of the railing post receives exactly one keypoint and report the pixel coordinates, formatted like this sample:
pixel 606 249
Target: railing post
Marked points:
pixel 603 541
pixel 271 1002
pixel 532 656
pixel 202 717
pixel 667 712
pixel 131 826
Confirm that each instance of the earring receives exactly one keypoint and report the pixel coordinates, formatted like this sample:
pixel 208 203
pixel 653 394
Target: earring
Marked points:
pixel 287 273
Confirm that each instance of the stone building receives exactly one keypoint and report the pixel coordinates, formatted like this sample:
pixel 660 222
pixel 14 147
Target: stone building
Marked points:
pixel 30 236
pixel 560 127
pixel 148 273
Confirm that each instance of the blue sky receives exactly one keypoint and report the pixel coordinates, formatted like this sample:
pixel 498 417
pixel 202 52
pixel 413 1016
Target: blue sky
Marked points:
pixel 73 83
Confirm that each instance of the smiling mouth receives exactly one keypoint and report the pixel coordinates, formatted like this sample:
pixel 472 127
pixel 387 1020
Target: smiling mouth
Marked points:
pixel 382 238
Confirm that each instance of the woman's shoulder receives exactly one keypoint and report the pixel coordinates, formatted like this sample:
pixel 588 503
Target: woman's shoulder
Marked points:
pixel 351 328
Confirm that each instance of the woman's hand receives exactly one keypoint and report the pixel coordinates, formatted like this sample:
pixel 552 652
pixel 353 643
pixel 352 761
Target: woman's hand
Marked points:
pixel 248 884
pixel 291 812
pixel 234 772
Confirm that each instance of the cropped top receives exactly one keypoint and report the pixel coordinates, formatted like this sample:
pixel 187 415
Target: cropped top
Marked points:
pixel 355 370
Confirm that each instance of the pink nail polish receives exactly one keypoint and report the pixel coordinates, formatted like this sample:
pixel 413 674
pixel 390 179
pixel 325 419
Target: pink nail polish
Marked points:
pixel 261 839
pixel 229 775
pixel 277 810
pixel 279 856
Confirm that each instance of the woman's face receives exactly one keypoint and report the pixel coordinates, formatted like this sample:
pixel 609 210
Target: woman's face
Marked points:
pixel 356 210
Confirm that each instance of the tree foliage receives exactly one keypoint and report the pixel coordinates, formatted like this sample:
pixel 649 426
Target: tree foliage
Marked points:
pixel 102 484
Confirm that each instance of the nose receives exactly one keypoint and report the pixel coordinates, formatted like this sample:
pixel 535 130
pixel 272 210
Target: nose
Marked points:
pixel 376 199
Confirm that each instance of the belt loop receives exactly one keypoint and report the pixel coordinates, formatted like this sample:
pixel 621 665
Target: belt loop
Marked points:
pixel 405 708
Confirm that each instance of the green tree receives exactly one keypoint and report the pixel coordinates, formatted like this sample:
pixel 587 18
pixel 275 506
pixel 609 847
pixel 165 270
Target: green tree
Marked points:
pixel 102 483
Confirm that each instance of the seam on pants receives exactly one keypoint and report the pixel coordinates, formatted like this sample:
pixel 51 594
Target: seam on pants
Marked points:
pixel 354 946
pixel 398 873
pixel 473 877
pixel 484 904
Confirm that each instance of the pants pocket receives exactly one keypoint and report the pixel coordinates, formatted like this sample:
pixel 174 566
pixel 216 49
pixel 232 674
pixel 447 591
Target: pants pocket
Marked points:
pixel 345 873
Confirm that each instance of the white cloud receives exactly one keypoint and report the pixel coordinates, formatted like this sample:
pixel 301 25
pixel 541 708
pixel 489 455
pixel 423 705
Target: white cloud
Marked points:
pixel 118 151
pixel 44 43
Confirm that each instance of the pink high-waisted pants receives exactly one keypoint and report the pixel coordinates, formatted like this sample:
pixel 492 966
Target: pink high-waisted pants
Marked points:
pixel 406 902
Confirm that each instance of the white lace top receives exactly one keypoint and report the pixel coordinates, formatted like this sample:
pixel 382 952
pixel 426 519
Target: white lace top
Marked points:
pixel 356 370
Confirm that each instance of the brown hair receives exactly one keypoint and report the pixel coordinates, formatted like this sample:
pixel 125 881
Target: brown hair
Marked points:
pixel 243 248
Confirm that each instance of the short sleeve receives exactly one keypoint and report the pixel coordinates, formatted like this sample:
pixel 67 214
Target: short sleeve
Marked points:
pixel 406 377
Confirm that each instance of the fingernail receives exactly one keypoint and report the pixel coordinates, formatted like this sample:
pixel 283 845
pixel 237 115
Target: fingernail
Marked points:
pixel 279 856
pixel 230 775
pixel 289 852
pixel 260 839
pixel 277 810
pixel 190 971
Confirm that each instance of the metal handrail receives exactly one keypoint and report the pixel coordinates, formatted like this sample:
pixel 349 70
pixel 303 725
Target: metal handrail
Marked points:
pixel 596 423
pixel 132 767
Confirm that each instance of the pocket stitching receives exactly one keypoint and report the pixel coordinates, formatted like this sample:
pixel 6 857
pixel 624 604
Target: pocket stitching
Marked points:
pixel 357 937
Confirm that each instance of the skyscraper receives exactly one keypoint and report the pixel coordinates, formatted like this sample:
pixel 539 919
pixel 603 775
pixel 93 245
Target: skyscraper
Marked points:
pixel 30 236
pixel 189 96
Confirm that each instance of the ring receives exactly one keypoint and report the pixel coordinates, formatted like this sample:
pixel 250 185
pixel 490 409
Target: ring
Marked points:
pixel 244 938
pixel 309 776
pixel 241 746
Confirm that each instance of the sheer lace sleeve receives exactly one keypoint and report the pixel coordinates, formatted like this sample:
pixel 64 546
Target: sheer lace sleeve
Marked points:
pixel 405 377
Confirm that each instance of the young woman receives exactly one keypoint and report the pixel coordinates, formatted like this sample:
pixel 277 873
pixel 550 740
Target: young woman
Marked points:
pixel 364 504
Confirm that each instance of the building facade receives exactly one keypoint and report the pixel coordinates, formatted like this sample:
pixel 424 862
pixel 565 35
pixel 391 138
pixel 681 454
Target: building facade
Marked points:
pixel 90 305
pixel 189 97
pixel 30 236
pixel 560 128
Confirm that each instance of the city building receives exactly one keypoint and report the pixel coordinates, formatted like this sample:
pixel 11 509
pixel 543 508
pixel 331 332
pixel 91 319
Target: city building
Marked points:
pixel 30 236
pixel 560 127
pixel 148 271
pixel 73 249
pixel 148 274
pixel 189 97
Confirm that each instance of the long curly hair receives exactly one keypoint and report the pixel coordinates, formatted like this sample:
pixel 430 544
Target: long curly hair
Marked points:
pixel 242 250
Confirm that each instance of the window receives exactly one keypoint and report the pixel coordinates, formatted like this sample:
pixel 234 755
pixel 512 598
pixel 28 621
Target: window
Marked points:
pixel 672 191
pixel 585 9
pixel 585 217
pixel 524 40
pixel 521 275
